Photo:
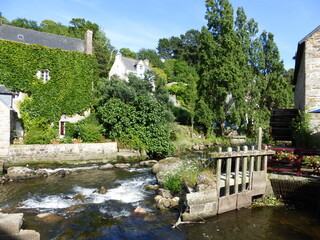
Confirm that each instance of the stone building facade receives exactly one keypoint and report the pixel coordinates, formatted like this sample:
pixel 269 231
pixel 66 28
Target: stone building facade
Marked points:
pixel 9 101
pixel 307 75
pixel 5 128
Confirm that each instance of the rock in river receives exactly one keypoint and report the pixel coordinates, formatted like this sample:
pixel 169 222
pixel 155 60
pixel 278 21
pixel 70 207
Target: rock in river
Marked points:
pixel 17 173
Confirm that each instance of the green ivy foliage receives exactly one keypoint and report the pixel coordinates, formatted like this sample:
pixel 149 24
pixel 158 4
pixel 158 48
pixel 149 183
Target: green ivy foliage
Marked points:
pixel 69 90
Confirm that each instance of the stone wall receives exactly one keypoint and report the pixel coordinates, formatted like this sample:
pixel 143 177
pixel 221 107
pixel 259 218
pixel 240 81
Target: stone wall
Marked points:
pixel 4 129
pixel 61 153
pixel 299 92
pixel 312 76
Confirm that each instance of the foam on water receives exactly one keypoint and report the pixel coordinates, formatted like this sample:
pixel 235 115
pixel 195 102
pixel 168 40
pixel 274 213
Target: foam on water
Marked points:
pixel 115 214
pixel 50 170
pixel 48 202
pixel 130 191
pixel 137 169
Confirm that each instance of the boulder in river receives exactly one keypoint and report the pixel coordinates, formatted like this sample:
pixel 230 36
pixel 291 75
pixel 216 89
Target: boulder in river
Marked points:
pixel 17 173
pixel 11 223
pixel 165 193
pixel 79 196
pixel 152 187
pixel 148 163
pixel 49 217
pixel 10 228
pixel 106 166
pixel 122 165
pixel 61 173
pixel 139 210
pixel 164 166
pixel 102 190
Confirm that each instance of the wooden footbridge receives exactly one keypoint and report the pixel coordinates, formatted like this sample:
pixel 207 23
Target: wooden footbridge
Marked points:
pixel 240 175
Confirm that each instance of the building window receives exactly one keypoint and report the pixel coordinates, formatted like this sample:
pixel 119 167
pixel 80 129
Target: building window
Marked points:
pixel 44 75
pixel 141 67
pixel 20 36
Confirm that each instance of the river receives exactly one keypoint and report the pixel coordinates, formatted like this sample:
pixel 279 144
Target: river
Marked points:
pixel 109 216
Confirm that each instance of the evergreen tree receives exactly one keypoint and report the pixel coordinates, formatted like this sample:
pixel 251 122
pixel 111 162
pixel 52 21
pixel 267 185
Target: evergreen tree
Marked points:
pixel 220 67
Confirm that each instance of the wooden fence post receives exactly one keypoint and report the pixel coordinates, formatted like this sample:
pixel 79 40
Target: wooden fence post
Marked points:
pixel 228 172
pixel 218 174
pixel 244 170
pixel 236 174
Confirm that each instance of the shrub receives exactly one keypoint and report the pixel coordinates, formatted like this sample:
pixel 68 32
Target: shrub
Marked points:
pixel 90 133
pixel 173 182
pixel 66 140
pixel 88 129
pixel 71 130
pixel 40 136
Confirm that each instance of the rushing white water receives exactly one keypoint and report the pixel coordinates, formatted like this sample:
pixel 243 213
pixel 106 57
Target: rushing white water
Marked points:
pixel 48 202
pixel 50 170
pixel 129 191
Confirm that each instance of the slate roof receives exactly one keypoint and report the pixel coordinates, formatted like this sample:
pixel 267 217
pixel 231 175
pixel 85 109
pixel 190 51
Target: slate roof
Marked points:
pixel 131 64
pixel 300 50
pixel 29 36
pixel 4 90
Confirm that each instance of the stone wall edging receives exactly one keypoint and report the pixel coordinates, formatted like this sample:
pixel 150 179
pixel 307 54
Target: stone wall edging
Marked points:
pixel 19 154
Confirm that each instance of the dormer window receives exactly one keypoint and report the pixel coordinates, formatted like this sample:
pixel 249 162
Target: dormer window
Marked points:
pixel 44 75
pixel 20 36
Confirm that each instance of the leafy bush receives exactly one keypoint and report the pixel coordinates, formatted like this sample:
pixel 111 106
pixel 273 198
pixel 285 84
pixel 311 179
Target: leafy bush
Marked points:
pixel 40 136
pixel 66 140
pixel 186 175
pixel 139 121
pixel 182 115
pixel 88 129
pixel 71 130
pixel 173 182
pixel 90 133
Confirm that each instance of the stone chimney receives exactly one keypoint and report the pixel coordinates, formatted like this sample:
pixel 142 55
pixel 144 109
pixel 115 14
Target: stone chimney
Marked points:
pixel 88 42
pixel 146 62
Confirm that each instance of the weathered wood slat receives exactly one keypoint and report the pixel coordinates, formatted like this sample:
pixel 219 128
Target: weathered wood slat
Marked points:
pixel 244 170
pixel 228 175
pixel 236 175
pixel 218 182
pixel 241 154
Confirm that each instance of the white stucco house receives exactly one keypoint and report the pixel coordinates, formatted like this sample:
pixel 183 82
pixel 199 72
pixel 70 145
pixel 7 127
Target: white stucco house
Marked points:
pixel 123 66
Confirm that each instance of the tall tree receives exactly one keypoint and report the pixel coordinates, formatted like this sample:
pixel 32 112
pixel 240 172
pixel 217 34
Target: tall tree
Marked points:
pixel 50 26
pixel 221 60
pixel 78 27
pixel 277 91
pixel 126 52
pixel 25 23
pixel 151 55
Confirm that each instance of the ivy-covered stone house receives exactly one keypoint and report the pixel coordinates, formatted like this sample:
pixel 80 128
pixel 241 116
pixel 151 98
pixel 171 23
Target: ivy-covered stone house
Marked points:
pixel 307 76
pixel 49 78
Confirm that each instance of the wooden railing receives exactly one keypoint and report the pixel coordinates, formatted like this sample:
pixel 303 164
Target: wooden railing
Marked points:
pixel 294 165
pixel 236 168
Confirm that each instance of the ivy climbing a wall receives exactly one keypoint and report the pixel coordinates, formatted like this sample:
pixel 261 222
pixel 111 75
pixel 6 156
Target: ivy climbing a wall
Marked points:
pixel 68 90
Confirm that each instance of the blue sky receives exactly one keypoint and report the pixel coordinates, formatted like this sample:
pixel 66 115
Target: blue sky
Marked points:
pixel 140 24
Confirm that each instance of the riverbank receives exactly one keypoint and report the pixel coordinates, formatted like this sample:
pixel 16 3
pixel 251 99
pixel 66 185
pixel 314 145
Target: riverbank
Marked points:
pixel 67 155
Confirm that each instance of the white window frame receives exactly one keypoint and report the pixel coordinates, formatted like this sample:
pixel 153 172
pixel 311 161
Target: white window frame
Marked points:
pixel 44 75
